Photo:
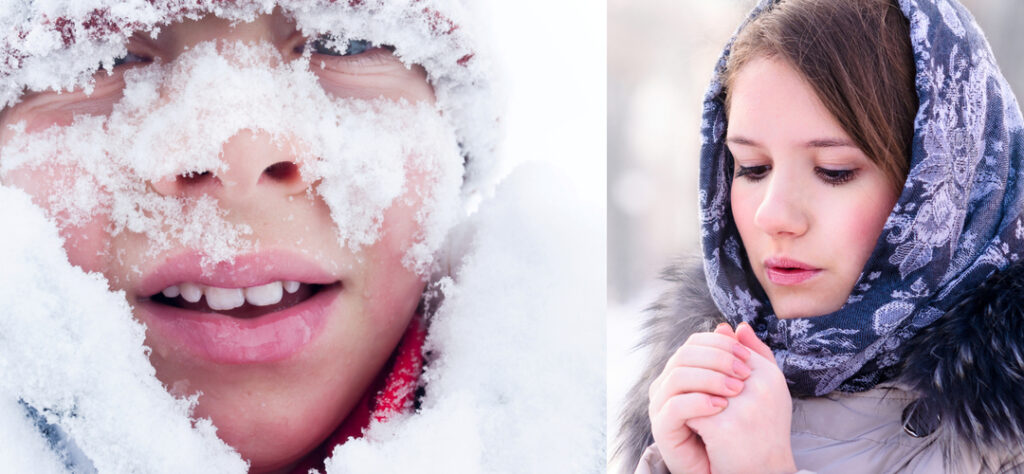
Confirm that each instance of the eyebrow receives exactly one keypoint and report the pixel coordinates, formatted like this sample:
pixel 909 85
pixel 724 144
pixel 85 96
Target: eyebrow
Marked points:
pixel 829 142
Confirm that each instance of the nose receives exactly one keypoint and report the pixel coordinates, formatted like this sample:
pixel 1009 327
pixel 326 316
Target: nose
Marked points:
pixel 256 167
pixel 782 211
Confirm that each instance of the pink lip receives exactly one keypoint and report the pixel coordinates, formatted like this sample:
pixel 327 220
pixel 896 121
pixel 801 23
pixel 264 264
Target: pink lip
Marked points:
pixel 227 340
pixel 246 270
pixel 787 272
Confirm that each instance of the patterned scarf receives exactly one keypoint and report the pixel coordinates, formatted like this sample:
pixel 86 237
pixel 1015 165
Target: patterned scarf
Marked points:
pixel 958 218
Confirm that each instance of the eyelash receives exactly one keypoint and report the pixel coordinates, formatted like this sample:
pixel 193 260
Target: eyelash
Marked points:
pixel 753 173
pixel 128 59
pixel 835 177
pixel 352 47
pixel 829 176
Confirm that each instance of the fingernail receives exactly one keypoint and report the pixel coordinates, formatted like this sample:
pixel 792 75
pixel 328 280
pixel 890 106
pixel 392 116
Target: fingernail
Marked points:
pixel 733 384
pixel 740 351
pixel 718 402
pixel 740 369
pixel 720 326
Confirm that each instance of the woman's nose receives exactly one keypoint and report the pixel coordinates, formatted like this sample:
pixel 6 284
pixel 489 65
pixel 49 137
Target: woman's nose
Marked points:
pixel 782 211
pixel 255 167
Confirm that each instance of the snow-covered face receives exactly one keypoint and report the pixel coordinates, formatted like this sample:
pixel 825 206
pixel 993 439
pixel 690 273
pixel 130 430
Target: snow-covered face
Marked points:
pixel 268 209
pixel 808 203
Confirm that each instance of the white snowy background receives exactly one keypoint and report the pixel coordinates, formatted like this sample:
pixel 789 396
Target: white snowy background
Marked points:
pixel 555 60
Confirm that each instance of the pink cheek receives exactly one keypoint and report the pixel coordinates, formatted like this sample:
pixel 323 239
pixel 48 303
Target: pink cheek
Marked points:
pixel 88 245
pixel 860 227
pixel 389 274
pixel 392 290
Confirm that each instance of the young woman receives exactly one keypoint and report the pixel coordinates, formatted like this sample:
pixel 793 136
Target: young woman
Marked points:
pixel 861 220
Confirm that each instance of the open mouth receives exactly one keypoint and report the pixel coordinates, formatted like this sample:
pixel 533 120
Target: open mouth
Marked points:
pixel 243 303
pixel 259 308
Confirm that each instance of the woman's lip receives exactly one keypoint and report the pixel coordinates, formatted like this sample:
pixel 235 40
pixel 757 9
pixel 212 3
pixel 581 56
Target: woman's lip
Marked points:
pixel 225 340
pixel 786 262
pixel 786 271
pixel 789 276
pixel 244 271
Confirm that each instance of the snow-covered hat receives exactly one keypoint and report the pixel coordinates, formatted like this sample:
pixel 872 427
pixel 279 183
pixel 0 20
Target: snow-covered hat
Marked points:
pixel 58 44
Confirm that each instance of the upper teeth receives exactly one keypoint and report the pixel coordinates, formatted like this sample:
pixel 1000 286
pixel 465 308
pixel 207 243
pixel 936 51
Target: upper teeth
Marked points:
pixel 222 299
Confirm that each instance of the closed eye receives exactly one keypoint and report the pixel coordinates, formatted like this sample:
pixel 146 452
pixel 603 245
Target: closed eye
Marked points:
pixel 753 173
pixel 835 177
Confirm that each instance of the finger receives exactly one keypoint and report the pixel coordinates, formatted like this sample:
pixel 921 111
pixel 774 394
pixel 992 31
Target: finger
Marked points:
pixel 745 335
pixel 709 339
pixel 707 357
pixel 699 424
pixel 671 418
pixel 692 379
pixel 680 447
pixel 691 457
pixel 725 329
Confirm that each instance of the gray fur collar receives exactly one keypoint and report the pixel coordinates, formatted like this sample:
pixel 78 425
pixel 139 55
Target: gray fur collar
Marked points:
pixel 967 368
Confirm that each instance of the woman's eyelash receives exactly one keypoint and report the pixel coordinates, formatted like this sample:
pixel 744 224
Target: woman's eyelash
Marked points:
pixel 753 173
pixel 830 176
pixel 835 177
pixel 328 45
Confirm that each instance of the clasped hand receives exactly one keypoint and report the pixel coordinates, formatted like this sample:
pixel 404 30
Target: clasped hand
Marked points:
pixel 721 405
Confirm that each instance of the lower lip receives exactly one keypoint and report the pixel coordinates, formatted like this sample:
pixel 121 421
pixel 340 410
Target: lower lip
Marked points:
pixel 789 276
pixel 227 340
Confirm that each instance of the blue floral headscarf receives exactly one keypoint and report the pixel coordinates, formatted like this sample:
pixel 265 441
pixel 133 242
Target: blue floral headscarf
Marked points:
pixel 958 218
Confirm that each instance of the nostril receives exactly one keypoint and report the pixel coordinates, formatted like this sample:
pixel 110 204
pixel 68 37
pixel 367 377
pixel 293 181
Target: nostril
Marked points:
pixel 284 171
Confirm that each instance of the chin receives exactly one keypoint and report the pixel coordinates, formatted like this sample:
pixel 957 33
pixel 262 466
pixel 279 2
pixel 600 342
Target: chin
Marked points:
pixel 795 311
pixel 269 439
pixel 273 417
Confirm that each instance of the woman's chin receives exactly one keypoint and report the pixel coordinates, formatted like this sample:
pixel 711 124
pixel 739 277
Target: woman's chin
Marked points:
pixel 801 309
pixel 271 443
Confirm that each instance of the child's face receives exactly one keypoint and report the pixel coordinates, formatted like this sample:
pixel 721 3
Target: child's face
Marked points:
pixel 809 204
pixel 274 385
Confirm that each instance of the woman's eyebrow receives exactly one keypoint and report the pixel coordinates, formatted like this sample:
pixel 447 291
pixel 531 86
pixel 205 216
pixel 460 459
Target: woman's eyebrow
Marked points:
pixel 828 142
pixel 741 140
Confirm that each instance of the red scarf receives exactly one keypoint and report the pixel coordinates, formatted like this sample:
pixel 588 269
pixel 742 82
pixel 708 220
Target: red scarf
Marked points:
pixel 391 393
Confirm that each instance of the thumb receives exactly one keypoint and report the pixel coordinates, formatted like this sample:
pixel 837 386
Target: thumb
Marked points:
pixel 746 336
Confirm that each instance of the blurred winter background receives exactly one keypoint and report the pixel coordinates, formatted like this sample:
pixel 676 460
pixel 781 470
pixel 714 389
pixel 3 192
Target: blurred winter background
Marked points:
pixel 660 57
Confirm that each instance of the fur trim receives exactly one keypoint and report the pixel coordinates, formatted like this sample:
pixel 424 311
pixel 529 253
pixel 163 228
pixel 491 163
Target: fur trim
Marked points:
pixel 683 310
pixel 968 367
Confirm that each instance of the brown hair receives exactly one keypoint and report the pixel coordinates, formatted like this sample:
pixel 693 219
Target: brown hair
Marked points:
pixel 856 55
